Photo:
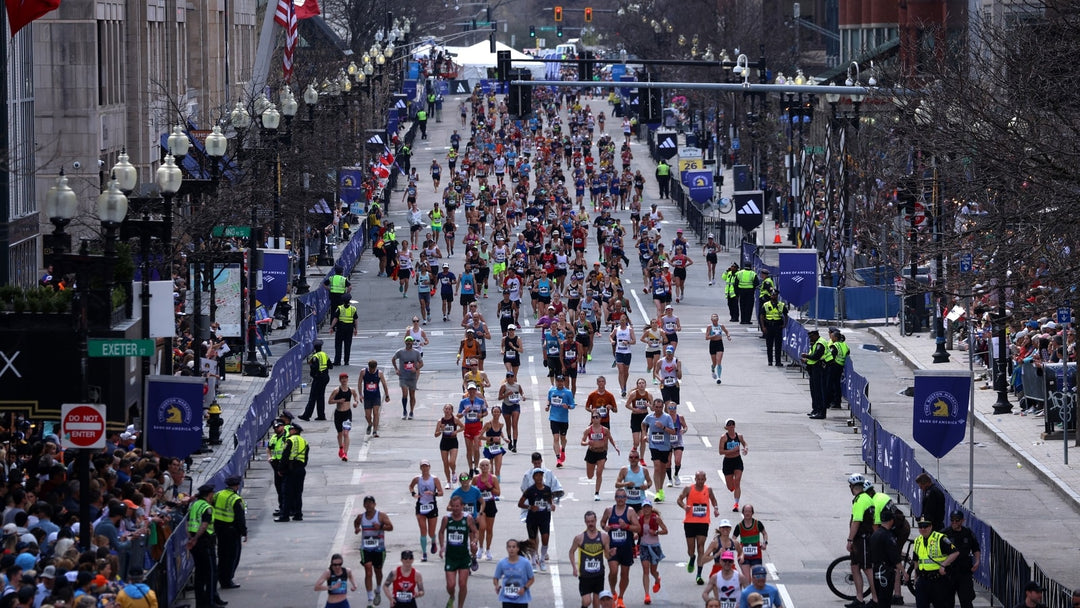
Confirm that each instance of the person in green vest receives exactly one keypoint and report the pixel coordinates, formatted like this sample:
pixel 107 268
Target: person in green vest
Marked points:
pixel 343 324
pixel 338 285
pixel 839 350
pixel 421 121
pixel 663 178
pixel 274 447
pixel 746 280
pixel 774 313
pixel 765 288
pixel 200 543
pixel 295 456
pixel 816 360
pixel 728 277
pixel 230 526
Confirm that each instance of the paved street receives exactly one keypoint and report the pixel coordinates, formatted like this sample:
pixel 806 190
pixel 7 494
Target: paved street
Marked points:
pixel 795 469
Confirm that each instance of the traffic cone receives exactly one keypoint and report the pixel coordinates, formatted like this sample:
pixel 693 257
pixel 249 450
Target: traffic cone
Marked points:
pixel 776 239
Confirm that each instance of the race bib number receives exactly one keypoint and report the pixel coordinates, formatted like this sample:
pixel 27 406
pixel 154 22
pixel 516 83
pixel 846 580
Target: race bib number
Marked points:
pixel 633 494
pixel 750 550
pixel 541 505
pixel 728 603
pixel 371 387
pixel 699 510
pixel 618 536
pixel 571 355
pixel 467 509
pixel 403 596
pixel 471 361
pixel 556 400
pixel 427 508
pixel 371 543
pixel 731 445
pixel 455 538
pixel 623 344
pixel 601 411
pixel 592 564
pixel 641 404
pixel 657 437
pixel 410 367
pixel 596 436
pixel 670 381
pixel 506 314
pixel 512 591
pixel 553 351
pixel 485 495
pixel 514 399
pixel 448 429
pixel 472 416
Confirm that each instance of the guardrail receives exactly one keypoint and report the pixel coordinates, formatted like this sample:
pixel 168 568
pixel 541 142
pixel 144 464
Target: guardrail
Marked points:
pixel 1003 569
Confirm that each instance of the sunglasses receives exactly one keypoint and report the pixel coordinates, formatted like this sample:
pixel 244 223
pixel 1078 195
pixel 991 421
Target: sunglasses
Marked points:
pixel 596 417
pixel 335 563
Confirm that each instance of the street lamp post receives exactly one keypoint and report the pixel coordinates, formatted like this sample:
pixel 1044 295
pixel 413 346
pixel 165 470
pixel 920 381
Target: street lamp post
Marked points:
pixel 1001 362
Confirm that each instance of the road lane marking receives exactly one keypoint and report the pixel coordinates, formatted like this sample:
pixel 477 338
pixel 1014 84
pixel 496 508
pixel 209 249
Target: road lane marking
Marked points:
pixel 771 568
pixel 640 307
pixel 782 589
pixel 705 440
pixel 690 406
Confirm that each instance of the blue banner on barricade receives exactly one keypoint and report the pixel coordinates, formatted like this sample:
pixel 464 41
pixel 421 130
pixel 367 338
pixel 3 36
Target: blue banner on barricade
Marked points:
pixel 939 417
pixel 174 415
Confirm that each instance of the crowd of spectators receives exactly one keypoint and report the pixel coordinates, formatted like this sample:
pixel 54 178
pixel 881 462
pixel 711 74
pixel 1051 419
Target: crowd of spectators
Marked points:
pixel 135 499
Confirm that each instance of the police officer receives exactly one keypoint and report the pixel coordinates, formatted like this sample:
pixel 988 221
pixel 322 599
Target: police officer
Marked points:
pixel 663 178
pixel 885 558
pixel 295 459
pixel 839 350
pixel 730 291
pixel 934 554
pixel 421 121
pixel 200 543
pixel 338 284
pixel 765 289
pixel 319 366
pixel 967 562
pixel 274 448
pixel 745 282
pixel 344 321
pixel 774 313
pixel 815 368
pixel 230 526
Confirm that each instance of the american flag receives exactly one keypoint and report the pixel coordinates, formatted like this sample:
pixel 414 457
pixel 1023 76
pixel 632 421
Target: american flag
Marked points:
pixel 285 16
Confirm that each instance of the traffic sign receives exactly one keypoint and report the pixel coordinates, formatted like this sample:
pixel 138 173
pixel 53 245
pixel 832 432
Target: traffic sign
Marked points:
pixel 231 231
pixel 82 425
pixel 965 262
pixel 118 347
pixel 1064 314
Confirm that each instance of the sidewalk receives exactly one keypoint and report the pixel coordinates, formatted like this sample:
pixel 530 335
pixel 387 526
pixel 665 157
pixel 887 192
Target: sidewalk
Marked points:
pixel 1020 434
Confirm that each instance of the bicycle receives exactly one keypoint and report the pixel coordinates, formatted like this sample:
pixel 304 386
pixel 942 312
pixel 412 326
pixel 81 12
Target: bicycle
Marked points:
pixel 841 582
pixel 724 205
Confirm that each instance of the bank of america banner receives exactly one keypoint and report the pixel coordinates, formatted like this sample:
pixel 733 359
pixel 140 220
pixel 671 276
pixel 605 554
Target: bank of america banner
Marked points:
pixel 174 415
pixel 798 275
pixel 351 179
pixel 940 409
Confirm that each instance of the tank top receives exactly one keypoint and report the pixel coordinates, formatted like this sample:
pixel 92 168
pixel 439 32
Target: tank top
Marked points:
pixel 635 495
pixel 470 354
pixel 457 539
pixel 651 337
pixel 338 584
pixel 345 394
pixel 371 385
pixel 448 427
pixel 677 439
pixel 591 556
pixel 750 537
pixel 371 537
pixel 670 323
pixel 417 335
pixel 619 537
pixel 622 340
pixel 728 588
pixel 485 487
pixel 423 281
pixel 405 260
pixel 730 443
pixel 697 502
pixel 513 395
pixel 404 586
pixel 422 487
pixel 669 371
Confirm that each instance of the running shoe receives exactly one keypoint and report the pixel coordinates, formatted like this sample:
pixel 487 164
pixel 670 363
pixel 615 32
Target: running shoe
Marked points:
pixel 369 429
pixel 677 481
pixel 423 557
pixel 450 602
pixel 714 373
pixel 596 497
pixel 378 599
pixel 487 555
pixel 656 586
pixel 735 508
pixel 690 565
pixel 474 566
pixel 434 547
pixel 648 600
pixel 619 603
pixel 700 581
pixel 660 495
pixel 543 565
pixel 410 415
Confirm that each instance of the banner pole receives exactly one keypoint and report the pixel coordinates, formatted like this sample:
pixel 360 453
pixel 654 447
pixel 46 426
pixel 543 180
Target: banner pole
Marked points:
pixel 971 409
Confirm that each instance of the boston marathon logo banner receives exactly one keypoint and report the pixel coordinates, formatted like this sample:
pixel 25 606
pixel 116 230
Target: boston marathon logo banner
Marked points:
pixel 174 415
pixel 798 276
pixel 941 409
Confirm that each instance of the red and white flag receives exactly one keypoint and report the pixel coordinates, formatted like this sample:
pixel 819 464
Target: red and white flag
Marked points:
pixel 285 16
pixel 22 12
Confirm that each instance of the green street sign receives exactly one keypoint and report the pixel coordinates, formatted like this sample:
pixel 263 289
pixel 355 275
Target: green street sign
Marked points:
pixel 231 231
pixel 118 347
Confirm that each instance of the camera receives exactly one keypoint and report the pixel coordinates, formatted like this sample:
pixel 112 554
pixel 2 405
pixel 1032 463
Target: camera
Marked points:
pixel 77 165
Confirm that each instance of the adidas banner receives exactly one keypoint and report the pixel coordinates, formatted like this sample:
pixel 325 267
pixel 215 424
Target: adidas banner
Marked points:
pixel 667 145
pixel 749 209
pixel 798 275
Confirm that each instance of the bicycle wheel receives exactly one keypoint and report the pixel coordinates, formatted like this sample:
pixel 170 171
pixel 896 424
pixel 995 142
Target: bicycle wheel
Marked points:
pixel 725 205
pixel 838 577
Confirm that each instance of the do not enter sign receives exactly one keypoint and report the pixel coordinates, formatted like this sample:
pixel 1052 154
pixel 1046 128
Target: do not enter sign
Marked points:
pixel 82 425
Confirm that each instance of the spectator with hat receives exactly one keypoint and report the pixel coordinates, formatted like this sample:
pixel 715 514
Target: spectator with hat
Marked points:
pixel 47 582
pixel 230 525
pixel 758 587
pixel 136 593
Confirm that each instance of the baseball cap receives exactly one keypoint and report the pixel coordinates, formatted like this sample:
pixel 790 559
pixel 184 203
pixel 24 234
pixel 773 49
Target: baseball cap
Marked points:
pixel 957 514
pixel 470 331
pixel 537 470
pixel 711 235
pixel 758 571
pixel 754 600
pixel 425 463
pixel 9 529
pixel 409 338
pixel 511 326
pixel 669 349
pixel 342 375
pixel 724 523
pixel 278 423
pixel 471 386
pixel 560 377
pixel 296 427
pixel 131 504
pixel 679 231
pixel 727 556
pixel 50 572
pixel 606 594
pixel 1033 586
pixel 446 265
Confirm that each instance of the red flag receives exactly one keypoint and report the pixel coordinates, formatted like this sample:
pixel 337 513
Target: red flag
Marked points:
pixel 285 16
pixel 306 9
pixel 22 12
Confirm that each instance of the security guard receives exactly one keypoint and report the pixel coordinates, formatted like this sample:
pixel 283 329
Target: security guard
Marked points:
pixel 319 368
pixel 967 547
pixel 200 543
pixel 767 287
pixel 839 350
pixel 745 282
pixel 344 321
pixel 295 459
pixel 729 278
pixel 274 448
pixel 775 315
pixel 933 552
pixel 338 284
pixel 663 178
pixel 421 121
pixel 405 157
pixel 230 526
pixel 815 368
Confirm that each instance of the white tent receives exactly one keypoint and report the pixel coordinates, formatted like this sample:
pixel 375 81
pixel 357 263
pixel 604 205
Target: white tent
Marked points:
pixel 476 59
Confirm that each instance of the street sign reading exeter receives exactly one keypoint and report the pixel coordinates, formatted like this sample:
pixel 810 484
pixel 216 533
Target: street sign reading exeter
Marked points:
pixel 119 348
pixel 82 425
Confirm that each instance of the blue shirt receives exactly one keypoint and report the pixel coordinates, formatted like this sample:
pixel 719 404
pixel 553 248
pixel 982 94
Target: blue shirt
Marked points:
pixel 514 577
pixel 561 401
pixel 658 437
pixel 468 284
pixel 470 408
pixel 769 594
pixel 470 499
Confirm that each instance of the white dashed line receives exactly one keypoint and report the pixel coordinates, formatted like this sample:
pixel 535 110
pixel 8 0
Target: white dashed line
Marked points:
pixel 391 334
pixel 690 406
pixel 705 440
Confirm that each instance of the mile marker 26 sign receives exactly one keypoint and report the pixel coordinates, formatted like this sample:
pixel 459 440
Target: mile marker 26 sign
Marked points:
pixel 82 425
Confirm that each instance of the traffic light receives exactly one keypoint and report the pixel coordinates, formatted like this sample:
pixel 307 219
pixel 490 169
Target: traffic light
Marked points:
pixel 558 13
pixel 558 31
pixel 532 31
pixel 588 14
